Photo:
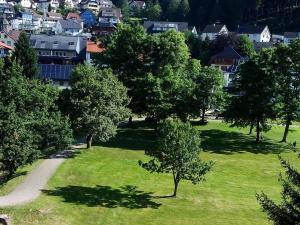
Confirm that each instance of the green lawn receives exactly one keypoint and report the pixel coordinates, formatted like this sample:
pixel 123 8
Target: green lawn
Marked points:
pixel 106 186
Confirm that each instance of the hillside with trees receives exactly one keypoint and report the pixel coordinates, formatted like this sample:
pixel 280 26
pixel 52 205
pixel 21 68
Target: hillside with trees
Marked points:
pixel 280 15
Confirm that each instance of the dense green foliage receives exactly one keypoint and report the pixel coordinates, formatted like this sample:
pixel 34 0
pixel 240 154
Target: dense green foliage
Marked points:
pixel 96 102
pixel 177 151
pixel 30 122
pixel 26 56
pixel 288 211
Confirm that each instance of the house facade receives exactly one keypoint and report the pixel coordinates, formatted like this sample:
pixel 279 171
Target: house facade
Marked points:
pixel 69 27
pixel 290 36
pixel 5 50
pixel 154 27
pixel 212 31
pixel 9 38
pixel 255 33
pixel 58 55
pixel 89 18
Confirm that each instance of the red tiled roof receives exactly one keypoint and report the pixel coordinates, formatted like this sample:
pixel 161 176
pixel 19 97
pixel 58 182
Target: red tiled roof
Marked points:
pixel 2 45
pixel 73 16
pixel 93 47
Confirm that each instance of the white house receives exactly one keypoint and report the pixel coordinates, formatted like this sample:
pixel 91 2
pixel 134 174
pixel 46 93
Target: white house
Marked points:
pixel 290 36
pixel 25 3
pixel 70 27
pixel 255 33
pixel 3 2
pixel 211 31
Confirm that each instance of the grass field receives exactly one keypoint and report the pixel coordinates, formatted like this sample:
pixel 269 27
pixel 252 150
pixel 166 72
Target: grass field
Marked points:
pixel 106 186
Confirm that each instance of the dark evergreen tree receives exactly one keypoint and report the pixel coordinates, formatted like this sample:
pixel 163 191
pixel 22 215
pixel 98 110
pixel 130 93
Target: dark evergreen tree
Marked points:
pixel 287 212
pixel 26 56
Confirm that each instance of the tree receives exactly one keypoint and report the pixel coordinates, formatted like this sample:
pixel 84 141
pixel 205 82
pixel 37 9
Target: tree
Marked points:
pixel 183 10
pixel 26 56
pixel 177 152
pixel 49 8
pixel 97 102
pixel 124 5
pixel 245 46
pixel 153 11
pixel 172 11
pixel 254 102
pixel 27 115
pixel 287 71
pixel 208 91
pixel 288 211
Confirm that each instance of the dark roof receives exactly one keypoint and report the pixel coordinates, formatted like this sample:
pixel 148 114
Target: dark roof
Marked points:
pixel 250 29
pixel 105 24
pixel 55 72
pixel 60 42
pixel 260 45
pixel 70 24
pixel 54 15
pixel 228 53
pixel 159 26
pixel 291 35
pixel 213 28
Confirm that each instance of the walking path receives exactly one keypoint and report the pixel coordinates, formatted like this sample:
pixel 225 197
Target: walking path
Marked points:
pixel 31 187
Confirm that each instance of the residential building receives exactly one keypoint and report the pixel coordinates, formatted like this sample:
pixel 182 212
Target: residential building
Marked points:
pixel 54 15
pixel 277 38
pixel 255 33
pixel 290 36
pixel 155 27
pixel 89 18
pixel 6 11
pixel 5 50
pixel 25 3
pixel 227 61
pixel 103 29
pixel 90 4
pixel 58 55
pixel 73 16
pixel 92 49
pixel 10 38
pixel 5 25
pixel 111 15
pixel 138 4
pixel 212 31
pixel 105 4
pixel 70 27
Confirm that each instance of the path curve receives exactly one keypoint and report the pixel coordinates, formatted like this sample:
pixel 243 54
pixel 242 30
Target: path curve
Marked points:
pixel 33 184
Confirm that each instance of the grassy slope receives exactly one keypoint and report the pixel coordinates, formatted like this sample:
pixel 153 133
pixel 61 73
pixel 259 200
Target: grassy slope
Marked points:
pixel 106 186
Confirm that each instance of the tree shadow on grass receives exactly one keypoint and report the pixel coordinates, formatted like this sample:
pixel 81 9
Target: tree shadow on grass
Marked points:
pixel 126 196
pixel 228 142
pixel 133 139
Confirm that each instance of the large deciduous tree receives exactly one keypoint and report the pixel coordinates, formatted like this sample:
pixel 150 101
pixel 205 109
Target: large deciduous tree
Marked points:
pixel 97 102
pixel 287 71
pixel 177 152
pixel 287 212
pixel 30 123
pixel 26 56
pixel 256 92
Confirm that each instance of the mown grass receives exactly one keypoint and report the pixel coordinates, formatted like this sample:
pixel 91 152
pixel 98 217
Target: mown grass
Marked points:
pixel 106 186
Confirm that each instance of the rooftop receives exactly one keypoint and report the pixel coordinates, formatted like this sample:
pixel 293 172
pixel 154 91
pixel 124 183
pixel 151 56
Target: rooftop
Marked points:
pixel 213 28
pixel 250 29
pixel 93 47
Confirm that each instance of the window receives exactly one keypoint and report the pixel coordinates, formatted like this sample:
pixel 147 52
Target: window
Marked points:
pixel 9 43
pixel 71 43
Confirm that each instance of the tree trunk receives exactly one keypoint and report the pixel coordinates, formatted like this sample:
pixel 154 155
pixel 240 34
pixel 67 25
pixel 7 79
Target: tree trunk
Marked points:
pixel 257 131
pixel 286 130
pixel 130 121
pixel 251 128
pixel 89 140
pixel 176 182
pixel 203 115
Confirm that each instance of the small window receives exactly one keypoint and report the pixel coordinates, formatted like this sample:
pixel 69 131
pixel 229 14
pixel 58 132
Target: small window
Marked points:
pixel 42 42
pixel 71 43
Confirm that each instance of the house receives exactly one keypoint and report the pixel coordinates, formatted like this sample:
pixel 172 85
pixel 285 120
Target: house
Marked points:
pixel 49 21
pixel 73 16
pixel 227 61
pixel 54 15
pixel 138 4
pixel 255 33
pixel 69 4
pixel 10 38
pixel 70 27
pixel 90 4
pixel 6 11
pixel 25 3
pixel 105 4
pixel 3 2
pixel 58 55
pixel 103 29
pixel 112 15
pixel 212 31
pixel 89 18
pixel 5 25
pixel 92 49
pixel 290 36
pixel 277 38
pixel 5 50
pixel 154 27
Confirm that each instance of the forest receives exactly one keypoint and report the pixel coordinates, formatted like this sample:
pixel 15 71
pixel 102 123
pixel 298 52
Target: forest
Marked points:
pixel 280 15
